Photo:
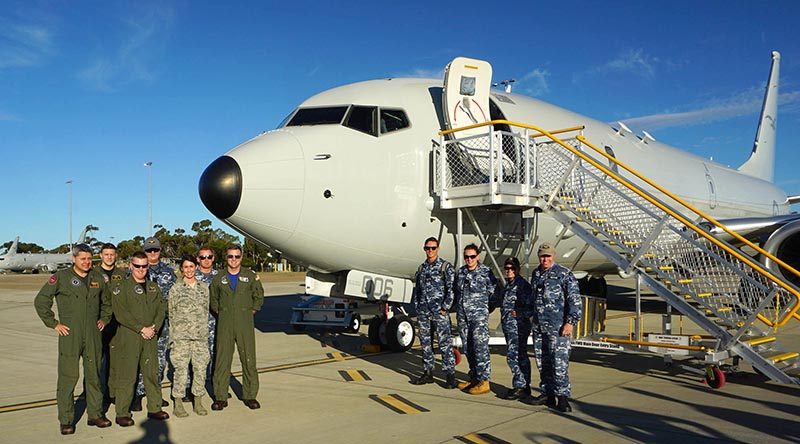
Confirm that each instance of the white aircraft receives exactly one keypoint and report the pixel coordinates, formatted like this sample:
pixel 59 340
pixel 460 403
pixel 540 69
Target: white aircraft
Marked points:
pixel 346 185
pixel 36 262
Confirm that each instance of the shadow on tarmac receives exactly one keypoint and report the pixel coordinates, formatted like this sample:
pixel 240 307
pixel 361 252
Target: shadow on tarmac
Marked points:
pixel 154 432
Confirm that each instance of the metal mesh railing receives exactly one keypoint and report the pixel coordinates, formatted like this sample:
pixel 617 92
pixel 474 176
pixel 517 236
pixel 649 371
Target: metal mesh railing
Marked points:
pixel 649 234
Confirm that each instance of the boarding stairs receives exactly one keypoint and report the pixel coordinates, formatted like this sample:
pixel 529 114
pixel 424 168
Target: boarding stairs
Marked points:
pixel 634 223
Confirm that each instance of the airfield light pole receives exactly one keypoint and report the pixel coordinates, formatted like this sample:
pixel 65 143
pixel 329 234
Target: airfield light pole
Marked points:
pixel 69 184
pixel 149 166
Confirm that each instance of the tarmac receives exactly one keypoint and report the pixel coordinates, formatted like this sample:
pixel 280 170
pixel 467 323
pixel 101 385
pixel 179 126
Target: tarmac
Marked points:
pixel 318 386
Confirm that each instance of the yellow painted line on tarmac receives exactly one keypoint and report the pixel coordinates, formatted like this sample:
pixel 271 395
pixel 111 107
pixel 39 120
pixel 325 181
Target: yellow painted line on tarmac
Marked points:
pixel 275 368
pixel 398 404
pixel 481 438
pixel 351 375
pixel 337 356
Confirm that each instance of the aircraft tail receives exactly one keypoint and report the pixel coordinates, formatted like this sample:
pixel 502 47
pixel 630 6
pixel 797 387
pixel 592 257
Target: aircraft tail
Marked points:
pixel 82 237
pixel 13 248
pixel 761 163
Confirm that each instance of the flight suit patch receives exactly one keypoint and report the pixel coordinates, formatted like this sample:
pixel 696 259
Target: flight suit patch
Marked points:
pixel 53 280
pixel 105 277
pixel 75 282
pixel 138 290
pixel 94 284
pixel 244 279
pixel 116 291
pixel 116 277
pixel 224 280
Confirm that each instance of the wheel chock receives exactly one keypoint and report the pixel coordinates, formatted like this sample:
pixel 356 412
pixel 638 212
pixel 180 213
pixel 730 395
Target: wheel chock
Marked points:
pixel 370 348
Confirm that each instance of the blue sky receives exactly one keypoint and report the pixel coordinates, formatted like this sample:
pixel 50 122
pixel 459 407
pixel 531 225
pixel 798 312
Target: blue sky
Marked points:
pixel 90 90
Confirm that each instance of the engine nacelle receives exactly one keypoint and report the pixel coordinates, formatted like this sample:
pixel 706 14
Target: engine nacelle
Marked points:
pixel 784 243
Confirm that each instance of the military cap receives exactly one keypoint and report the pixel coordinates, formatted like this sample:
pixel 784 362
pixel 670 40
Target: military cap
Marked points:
pixel 546 249
pixel 151 243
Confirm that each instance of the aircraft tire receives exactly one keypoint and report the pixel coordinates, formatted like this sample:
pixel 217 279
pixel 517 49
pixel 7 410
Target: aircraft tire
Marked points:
pixel 374 332
pixel 400 333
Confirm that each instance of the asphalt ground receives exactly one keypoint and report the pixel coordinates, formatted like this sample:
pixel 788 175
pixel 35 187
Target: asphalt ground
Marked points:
pixel 318 386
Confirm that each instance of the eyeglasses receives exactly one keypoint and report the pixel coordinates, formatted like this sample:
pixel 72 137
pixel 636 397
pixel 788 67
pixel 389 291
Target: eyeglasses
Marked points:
pixel 152 250
pixel 202 258
pixel 509 268
pixel 426 248
pixel 139 266
pixel 234 256
pixel 470 256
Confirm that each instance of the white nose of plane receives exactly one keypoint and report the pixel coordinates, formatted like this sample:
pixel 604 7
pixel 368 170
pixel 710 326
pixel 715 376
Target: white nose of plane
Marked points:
pixel 258 186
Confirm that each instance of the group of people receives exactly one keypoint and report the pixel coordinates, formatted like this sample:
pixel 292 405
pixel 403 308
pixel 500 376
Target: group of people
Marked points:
pixel 126 323
pixel 548 306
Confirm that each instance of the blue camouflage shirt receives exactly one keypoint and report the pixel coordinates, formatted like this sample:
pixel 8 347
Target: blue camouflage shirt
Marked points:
pixel 433 289
pixel 162 274
pixel 475 287
pixel 516 296
pixel 556 298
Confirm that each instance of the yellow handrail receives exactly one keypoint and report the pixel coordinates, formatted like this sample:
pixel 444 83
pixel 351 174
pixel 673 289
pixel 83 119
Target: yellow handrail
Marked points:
pixel 753 264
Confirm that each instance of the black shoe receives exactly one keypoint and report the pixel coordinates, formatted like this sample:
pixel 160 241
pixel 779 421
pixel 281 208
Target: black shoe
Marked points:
pixel 514 393
pixel 99 422
pixel 219 405
pixel 549 401
pixel 451 383
pixel 67 429
pixel 159 415
pixel 252 404
pixel 136 404
pixel 426 378
pixel 563 405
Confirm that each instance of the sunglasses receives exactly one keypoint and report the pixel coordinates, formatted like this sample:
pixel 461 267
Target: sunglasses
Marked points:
pixel 202 258
pixel 234 256
pixel 152 250
pixel 509 268
pixel 470 256
pixel 139 266
pixel 429 248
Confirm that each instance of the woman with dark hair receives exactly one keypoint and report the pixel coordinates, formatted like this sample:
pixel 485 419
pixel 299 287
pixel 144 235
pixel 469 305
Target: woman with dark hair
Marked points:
pixel 516 311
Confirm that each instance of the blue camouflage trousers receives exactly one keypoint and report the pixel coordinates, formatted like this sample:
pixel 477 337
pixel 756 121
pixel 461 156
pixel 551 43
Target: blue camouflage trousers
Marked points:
pixel 441 322
pixel 516 330
pixel 552 357
pixel 473 327
pixel 163 349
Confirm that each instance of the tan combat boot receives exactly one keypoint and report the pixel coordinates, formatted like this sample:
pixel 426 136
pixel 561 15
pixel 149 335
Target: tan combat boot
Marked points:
pixel 198 406
pixel 466 385
pixel 480 388
pixel 178 409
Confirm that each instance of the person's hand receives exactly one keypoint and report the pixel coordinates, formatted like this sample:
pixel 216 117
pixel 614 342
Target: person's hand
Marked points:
pixel 513 313
pixel 442 311
pixel 148 332
pixel 100 324
pixel 254 312
pixel 566 330
pixel 61 329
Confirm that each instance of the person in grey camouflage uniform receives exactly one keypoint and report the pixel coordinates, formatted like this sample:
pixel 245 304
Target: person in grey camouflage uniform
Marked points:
pixel 188 309
pixel 433 296
pixel 474 285
pixel 556 309
pixel 515 313
pixel 160 273
pixel 206 273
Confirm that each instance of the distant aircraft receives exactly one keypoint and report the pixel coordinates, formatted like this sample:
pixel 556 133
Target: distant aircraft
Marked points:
pixel 346 185
pixel 36 262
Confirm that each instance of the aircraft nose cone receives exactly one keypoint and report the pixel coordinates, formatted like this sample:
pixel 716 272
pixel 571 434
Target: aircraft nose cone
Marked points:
pixel 220 187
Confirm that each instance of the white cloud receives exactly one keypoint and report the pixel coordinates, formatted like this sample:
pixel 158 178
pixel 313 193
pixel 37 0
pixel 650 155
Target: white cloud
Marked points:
pixel 423 73
pixel 632 61
pixel 743 104
pixel 23 44
pixel 134 56
pixel 535 82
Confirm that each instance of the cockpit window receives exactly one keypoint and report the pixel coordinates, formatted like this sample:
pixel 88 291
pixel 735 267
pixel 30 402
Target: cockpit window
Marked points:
pixel 393 120
pixel 362 118
pixel 318 116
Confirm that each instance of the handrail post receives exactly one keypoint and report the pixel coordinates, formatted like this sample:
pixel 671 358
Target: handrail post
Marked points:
pixel 442 166
pixel 492 187
pixel 527 153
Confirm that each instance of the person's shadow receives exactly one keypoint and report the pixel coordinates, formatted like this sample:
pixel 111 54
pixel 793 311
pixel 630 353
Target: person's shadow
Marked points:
pixel 154 432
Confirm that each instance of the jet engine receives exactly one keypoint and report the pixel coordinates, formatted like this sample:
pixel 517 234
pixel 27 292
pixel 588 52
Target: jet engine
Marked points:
pixel 784 243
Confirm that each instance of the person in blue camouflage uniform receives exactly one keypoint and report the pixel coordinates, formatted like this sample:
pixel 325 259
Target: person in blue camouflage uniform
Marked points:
pixel 160 273
pixel 474 285
pixel 433 296
pixel 515 302
pixel 556 309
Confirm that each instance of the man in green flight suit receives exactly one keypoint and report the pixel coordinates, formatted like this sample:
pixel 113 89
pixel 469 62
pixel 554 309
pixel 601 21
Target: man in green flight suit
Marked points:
pixel 139 309
pixel 78 296
pixel 235 295
pixel 109 271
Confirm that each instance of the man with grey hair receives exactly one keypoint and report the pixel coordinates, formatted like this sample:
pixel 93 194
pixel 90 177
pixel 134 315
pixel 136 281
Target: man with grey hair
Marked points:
pixel 78 296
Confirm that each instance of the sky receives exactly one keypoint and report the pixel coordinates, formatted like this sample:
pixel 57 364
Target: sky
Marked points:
pixel 91 90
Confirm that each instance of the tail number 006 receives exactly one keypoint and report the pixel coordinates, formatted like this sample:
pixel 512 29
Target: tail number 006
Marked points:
pixel 376 286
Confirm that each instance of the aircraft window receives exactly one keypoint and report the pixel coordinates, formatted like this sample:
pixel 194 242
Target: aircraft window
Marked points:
pixel 318 116
pixel 362 118
pixel 393 120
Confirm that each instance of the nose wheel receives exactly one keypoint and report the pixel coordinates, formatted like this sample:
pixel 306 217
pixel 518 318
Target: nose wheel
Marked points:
pixel 396 334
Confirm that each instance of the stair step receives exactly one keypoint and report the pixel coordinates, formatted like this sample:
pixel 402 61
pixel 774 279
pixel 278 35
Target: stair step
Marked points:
pixel 782 357
pixel 582 209
pixel 566 197
pixel 599 220
pixel 703 295
pixel 666 267
pixel 614 231
pixel 630 243
pixel 684 281
pixel 759 341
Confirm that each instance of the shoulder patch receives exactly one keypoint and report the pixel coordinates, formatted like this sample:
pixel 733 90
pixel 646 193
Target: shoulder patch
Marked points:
pixel 53 280
pixel 94 284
